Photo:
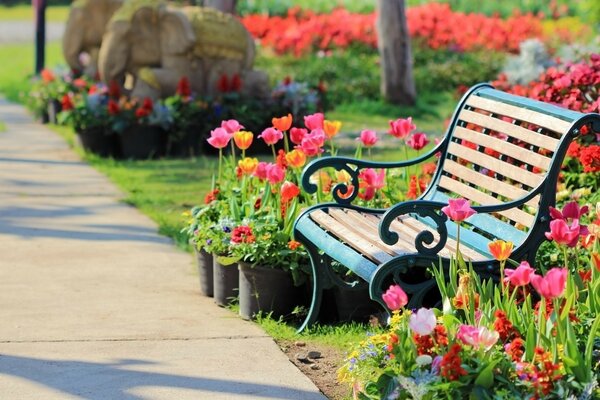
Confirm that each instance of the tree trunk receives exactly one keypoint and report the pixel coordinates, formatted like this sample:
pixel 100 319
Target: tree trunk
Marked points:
pixel 397 83
pixel 227 6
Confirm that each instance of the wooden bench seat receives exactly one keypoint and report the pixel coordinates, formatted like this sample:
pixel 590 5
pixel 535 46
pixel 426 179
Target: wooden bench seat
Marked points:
pixel 502 152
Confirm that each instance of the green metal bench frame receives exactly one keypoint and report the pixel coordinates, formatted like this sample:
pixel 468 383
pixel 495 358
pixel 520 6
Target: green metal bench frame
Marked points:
pixel 324 247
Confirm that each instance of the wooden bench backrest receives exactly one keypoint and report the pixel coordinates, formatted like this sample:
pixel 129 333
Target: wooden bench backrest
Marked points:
pixel 499 148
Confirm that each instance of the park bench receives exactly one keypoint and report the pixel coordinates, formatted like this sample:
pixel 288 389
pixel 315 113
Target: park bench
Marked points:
pixel 502 152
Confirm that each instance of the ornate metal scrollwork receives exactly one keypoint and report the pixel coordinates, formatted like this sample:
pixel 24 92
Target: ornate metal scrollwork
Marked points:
pixel 424 209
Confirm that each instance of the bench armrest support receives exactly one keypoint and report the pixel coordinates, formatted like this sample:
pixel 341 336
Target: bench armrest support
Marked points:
pixel 353 167
pixel 424 208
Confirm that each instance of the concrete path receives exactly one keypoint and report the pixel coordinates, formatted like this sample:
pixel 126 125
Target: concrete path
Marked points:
pixel 94 304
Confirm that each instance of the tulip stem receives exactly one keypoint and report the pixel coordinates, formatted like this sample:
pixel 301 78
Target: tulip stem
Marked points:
pixel 233 152
pixel 220 162
pixel 274 154
pixel 285 142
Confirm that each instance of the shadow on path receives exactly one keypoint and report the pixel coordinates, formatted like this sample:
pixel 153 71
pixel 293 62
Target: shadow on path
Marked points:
pixel 19 221
pixel 101 381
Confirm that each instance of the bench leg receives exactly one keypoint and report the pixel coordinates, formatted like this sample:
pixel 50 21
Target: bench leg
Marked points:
pixel 320 282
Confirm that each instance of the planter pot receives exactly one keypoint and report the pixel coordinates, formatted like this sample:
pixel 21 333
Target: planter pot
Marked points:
pixel 204 261
pixel 141 142
pixel 54 107
pixel 225 283
pixel 354 303
pixel 267 289
pixel 95 140
pixel 188 144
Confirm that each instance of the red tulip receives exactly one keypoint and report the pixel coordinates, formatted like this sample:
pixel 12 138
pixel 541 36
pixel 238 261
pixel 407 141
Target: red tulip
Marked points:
pixel 520 276
pixel 562 233
pixel 395 298
pixel 297 134
pixel 552 285
pixel 183 87
pixel 417 141
pixel 458 209
pixel 367 137
pixel 401 128
pixel 66 103
pixel 289 190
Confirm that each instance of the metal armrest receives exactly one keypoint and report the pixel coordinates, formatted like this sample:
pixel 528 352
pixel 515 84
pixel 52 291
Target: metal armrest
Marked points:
pixel 353 167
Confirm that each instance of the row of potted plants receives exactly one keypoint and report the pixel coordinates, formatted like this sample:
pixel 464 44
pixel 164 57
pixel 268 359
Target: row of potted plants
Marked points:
pixel 246 219
pixel 110 123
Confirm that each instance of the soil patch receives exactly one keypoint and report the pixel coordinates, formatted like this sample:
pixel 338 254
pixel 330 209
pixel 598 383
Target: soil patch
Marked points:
pixel 320 364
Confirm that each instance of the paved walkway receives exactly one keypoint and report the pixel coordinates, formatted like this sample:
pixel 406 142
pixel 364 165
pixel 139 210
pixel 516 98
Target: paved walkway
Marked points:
pixel 94 304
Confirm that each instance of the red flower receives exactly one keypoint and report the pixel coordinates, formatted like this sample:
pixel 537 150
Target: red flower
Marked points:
pixel 504 327
pixel 148 104
pixel 242 234
pixel 47 75
pixel 236 83
pixel 142 112
pixel 515 349
pixel 223 84
pixel 289 191
pixel 281 159
pixel 211 196
pixel 424 344
pixel 590 158
pixel 66 103
pixel 573 150
pixel 113 107
pixel 415 191
pixel 450 367
pixel 114 91
pixel 183 87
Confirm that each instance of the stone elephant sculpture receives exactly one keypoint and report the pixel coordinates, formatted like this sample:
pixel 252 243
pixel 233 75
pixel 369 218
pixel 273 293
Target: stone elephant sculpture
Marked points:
pixel 148 46
pixel 83 33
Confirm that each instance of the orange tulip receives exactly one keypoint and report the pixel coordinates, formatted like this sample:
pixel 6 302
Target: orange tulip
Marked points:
pixel 296 158
pixel 289 190
pixel 500 249
pixel 331 128
pixel 243 139
pixel 248 165
pixel 596 260
pixel 283 124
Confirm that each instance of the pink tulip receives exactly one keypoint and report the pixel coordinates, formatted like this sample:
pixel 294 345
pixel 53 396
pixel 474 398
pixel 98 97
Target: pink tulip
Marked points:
pixel 570 213
pixel 271 136
pixel 275 174
pixel 423 321
pixel 520 276
pixel 313 142
pixel 371 181
pixel 314 121
pixel 478 337
pixel 552 285
pixel 367 137
pixel 395 298
pixel 219 138
pixel 417 141
pixel 562 233
pixel 297 134
pixel 261 170
pixel 458 209
pixel 401 128
pixel 231 126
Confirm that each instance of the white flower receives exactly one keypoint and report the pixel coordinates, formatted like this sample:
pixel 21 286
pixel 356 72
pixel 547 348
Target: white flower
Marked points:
pixel 423 321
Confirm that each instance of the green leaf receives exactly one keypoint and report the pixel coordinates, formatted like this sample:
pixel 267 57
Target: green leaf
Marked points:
pixel 486 376
pixel 228 260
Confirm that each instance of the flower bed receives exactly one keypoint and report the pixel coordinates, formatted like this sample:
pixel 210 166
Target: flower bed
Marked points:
pixel 535 336
pixel 434 24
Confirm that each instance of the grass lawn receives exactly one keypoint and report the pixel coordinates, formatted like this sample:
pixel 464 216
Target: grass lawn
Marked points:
pixel 24 12
pixel 14 75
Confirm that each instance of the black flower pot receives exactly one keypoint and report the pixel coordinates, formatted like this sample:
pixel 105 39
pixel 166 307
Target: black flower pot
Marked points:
pixel 204 261
pixel 354 303
pixel 269 290
pixel 225 283
pixel 96 140
pixel 185 144
pixel 141 142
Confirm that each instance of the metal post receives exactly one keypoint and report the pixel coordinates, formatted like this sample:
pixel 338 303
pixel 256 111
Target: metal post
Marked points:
pixel 40 33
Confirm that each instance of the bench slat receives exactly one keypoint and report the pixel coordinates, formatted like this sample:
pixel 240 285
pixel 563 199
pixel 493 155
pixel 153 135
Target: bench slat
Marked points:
pixel 486 182
pixel 522 114
pixel 475 195
pixel 353 239
pixel 515 131
pixel 519 174
pixel 503 147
